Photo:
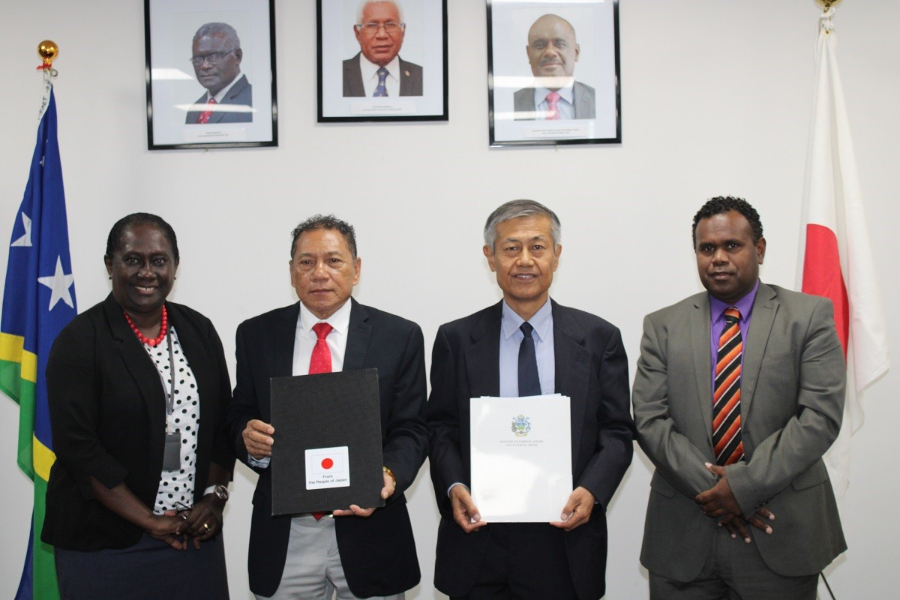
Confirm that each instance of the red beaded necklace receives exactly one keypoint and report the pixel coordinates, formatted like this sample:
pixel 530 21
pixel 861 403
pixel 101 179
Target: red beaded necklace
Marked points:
pixel 163 329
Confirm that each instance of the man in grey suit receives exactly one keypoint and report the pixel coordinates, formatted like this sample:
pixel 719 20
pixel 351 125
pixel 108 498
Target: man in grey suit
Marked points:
pixel 739 392
pixel 377 70
pixel 552 52
pixel 216 56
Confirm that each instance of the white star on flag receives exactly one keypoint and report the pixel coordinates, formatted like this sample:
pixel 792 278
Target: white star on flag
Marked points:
pixel 59 283
pixel 25 240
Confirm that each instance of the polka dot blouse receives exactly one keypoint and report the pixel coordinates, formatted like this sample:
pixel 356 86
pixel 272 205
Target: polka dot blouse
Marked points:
pixel 177 487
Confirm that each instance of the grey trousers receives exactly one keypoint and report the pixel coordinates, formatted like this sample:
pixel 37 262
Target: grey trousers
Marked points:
pixel 734 570
pixel 312 570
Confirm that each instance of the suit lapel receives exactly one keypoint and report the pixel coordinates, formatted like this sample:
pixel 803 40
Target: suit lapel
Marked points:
pixel 700 347
pixel 483 356
pixel 765 306
pixel 572 362
pixel 358 334
pixel 283 342
pixel 136 362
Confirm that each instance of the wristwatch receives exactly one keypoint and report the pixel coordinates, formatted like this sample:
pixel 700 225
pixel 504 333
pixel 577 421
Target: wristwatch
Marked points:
pixel 220 491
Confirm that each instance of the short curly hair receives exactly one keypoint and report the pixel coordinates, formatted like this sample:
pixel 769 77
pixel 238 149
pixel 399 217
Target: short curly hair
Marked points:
pixel 724 204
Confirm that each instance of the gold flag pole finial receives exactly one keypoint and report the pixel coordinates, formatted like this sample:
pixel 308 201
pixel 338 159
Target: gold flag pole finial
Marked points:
pixel 48 50
pixel 826 4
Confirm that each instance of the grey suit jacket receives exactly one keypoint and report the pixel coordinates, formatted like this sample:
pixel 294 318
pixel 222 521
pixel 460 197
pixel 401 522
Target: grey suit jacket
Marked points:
pixel 792 399
pixel 410 78
pixel 584 100
pixel 241 93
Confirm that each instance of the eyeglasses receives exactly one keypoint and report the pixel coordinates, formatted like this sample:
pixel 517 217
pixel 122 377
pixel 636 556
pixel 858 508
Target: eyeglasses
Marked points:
pixel 211 58
pixel 372 28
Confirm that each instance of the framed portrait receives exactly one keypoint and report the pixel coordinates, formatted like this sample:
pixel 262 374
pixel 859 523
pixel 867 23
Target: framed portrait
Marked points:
pixel 382 60
pixel 210 73
pixel 553 72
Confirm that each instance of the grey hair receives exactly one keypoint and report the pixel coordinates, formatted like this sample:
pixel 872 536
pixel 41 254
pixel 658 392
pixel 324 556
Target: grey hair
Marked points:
pixel 365 3
pixel 223 29
pixel 520 208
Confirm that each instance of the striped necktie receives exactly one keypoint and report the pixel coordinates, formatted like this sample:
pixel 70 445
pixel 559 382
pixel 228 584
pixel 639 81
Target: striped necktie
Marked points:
pixel 727 393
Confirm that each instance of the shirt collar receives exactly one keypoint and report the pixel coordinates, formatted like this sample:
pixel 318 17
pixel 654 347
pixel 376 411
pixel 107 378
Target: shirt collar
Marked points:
pixel 744 305
pixel 340 320
pixel 370 69
pixel 567 93
pixel 224 91
pixel 541 321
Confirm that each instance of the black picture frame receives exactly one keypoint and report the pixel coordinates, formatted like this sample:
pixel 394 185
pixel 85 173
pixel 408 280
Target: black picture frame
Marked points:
pixel 247 114
pixel 592 91
pixel 421 88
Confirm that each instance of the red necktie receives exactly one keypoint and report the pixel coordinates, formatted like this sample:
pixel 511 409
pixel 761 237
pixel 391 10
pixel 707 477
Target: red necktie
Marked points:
pixel 321 354
pixel 320 363
pixel 553 105
pixel 206 114
pixel 727 395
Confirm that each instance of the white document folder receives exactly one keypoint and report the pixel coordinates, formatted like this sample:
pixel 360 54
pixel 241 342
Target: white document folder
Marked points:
pixel 521 451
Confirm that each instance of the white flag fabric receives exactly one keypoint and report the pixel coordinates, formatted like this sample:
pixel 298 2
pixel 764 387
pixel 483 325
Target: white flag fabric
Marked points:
pixel 835 249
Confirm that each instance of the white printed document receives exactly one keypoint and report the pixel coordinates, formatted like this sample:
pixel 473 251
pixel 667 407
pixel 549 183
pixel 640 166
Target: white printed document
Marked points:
pixel 521 451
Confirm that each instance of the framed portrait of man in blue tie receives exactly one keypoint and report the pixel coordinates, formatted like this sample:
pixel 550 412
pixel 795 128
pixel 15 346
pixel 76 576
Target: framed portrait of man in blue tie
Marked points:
pixel 210 73
pixel 382 60
pixel 554 72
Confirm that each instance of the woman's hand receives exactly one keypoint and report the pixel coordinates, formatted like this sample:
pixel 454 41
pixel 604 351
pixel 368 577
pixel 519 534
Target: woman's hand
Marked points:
pixel 204 520
pixel 168 528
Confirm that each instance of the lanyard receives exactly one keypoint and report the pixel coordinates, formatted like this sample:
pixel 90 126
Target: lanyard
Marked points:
pixel 170 393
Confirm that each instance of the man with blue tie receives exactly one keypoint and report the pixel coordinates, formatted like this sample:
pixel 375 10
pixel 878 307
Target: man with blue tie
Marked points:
pixel 527 344
pixel 377 70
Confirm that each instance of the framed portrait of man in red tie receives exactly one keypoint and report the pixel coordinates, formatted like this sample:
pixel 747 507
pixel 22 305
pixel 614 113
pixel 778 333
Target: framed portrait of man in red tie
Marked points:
pixel 210 73
pixel 553 72
pixel 382 60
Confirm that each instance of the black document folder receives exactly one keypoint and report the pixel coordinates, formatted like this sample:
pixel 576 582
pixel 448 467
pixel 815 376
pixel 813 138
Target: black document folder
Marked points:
pixel 327 451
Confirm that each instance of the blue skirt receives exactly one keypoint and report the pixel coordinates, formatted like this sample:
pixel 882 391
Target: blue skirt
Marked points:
pixel 149 570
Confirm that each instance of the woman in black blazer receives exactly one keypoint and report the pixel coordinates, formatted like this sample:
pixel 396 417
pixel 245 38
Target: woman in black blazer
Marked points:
pixel 135 497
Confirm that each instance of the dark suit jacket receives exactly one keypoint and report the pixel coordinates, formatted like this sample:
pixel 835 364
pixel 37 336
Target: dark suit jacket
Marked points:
pixel 378 553
pixel 792 398
pixel 584 101
pixel 108 415
pixel 592 369
pixel 241 94
pixel 410 78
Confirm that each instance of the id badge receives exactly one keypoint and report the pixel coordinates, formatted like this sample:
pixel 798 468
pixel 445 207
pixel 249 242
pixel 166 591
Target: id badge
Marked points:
pixel 172 456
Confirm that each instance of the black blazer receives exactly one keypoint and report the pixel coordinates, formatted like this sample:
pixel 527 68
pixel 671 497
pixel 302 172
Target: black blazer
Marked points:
pixel 108 416
pixel 240 94
pixel 378 553
pixel 410 78
pixel 592 369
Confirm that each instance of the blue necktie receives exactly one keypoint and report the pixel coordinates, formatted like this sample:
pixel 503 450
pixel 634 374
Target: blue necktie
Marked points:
pixel 529 382
pixel 381 91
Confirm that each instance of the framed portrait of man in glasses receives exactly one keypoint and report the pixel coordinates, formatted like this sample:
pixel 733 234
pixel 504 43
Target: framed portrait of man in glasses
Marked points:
pixel 210 73
pixel 382 60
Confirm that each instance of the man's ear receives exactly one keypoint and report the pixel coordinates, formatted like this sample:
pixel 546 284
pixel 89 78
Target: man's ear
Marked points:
pixel 490 257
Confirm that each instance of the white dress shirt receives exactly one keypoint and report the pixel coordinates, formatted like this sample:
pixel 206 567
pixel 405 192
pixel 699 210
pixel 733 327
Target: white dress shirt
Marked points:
pixel 370 76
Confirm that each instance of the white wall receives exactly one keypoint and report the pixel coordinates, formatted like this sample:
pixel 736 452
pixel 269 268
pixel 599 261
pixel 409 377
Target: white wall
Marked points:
pixel 716 100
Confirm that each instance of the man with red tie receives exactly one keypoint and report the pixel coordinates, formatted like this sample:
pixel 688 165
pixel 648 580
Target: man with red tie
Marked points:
pixel 552 53
pixel 739 392
pixel 354 551
pixel 216 56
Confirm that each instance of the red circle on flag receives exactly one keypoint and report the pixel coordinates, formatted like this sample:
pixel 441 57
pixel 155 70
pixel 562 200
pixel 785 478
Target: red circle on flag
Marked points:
pixel 327 463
